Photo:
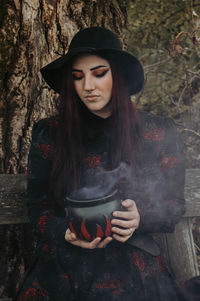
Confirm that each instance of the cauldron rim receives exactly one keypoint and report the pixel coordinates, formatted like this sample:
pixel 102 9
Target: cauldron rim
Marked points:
pixel 90 202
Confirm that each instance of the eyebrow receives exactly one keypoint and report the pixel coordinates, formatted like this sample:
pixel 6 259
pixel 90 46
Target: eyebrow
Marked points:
pixel 94 68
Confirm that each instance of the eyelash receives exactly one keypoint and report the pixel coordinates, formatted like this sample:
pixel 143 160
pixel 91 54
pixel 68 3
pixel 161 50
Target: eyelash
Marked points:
pixel 97 75
pixel 76 78
pixel 101 74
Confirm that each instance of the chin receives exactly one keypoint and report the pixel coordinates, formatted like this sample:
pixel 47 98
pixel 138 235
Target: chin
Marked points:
pixel 94 108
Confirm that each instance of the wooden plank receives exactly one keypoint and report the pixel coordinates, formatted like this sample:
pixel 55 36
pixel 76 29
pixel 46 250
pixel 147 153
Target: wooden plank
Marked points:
pixel 182 255
pixel 177 247
pixel 192 192
pixel 13 197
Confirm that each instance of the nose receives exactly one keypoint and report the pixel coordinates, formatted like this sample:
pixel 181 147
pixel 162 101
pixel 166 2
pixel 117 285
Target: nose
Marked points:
pixel 88 83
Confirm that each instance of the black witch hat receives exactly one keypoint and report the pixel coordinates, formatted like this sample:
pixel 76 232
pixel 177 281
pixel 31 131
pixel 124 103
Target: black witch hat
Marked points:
pixel 96 40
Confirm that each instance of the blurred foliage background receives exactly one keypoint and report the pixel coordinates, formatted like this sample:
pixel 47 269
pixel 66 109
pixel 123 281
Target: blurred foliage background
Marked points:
pixel 165 36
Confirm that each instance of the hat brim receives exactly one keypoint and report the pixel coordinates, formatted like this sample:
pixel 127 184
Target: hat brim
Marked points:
pixel 129 65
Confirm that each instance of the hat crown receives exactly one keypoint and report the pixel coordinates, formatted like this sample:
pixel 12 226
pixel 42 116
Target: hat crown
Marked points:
pixel 101 41
pixel 95 38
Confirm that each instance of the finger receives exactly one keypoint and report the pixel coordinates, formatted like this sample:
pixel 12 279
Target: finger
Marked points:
pixel 69 236
pixel 104 243
pixel 121 238
pixel 129 204
pixel 95 242
pixel 126 214
pixel 123 232
pixel 85 244
pixel 125 223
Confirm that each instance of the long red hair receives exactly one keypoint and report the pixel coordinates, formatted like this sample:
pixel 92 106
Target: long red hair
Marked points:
pixel 69 149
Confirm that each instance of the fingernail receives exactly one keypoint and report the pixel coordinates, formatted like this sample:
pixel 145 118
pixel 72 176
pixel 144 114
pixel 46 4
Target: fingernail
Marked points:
pixel 115 213
pixel 125 202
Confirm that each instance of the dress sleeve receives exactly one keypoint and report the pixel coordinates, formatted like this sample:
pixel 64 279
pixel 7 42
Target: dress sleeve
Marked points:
pixel 48 220
pixel 161 197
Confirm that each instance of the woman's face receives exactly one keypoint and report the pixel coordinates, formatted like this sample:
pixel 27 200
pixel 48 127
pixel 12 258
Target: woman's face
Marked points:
pixel 93 83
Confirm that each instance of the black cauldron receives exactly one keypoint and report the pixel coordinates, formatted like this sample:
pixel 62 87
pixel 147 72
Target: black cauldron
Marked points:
pixel 91 218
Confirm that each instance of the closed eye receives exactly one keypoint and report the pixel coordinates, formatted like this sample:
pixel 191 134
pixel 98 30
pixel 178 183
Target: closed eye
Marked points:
pixel 100 73
pixel 77 75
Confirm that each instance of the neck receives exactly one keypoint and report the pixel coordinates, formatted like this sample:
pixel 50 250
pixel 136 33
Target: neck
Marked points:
pixel 102 115
pixel 105 112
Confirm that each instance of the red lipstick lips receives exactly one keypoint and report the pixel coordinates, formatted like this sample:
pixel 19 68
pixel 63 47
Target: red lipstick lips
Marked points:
pixel 92 97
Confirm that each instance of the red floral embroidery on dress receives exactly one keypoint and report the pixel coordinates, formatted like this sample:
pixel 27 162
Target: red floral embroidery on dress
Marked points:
pixel 93 161
pixel 65 276
pixel 45 149
pixel 42 293
pixel 53 123
pixel 162 263
pixel 111 283
pixel 156 134
pixel 34 292
pixel 49 250
pixel 168 162
pixel 42 223
pixel 31 292
pixel 43 220
pixel 46 248
pixel 172 202
pixel 138 261
pixel 150 271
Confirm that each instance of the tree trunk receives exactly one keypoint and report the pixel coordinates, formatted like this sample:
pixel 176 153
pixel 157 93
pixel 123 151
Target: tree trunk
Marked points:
pixel 32 33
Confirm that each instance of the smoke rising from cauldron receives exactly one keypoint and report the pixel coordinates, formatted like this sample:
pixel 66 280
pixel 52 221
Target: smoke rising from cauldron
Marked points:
pixel 102 182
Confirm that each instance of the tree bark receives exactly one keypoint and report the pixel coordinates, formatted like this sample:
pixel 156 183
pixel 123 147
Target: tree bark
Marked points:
pixel 32 33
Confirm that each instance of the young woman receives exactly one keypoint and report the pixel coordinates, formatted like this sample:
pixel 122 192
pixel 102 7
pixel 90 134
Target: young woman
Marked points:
pixel 98 128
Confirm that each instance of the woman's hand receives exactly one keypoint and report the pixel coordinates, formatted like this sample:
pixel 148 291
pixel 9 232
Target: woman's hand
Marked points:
pixel 96 243
pixel 126 222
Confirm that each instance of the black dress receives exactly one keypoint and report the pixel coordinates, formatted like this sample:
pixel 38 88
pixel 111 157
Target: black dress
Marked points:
pixel 119 271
